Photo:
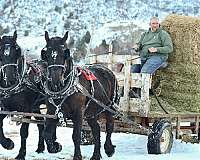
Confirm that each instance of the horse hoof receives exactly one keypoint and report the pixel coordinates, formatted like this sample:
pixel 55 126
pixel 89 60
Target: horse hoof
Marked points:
pixel 8 144
pixel 58 146
pixel 20 157
pixel 40 149
pixel 96 157
pixel 53 147
pixel 109 150
pixel 41 146
pixel 77 157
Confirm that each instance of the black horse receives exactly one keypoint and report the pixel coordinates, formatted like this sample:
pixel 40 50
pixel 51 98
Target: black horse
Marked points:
pixel 18 91
pixel 72 96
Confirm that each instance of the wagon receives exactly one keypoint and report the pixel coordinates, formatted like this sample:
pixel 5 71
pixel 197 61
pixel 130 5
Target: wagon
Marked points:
pixel 133 113
pixel 159 127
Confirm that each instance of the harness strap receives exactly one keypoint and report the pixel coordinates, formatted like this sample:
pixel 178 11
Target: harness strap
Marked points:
pixel 58 111
pixel 116 113
pixel 16 88
pixel 92 92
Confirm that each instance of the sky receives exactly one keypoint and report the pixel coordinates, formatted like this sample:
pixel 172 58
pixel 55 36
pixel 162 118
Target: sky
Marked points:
pixel 128 146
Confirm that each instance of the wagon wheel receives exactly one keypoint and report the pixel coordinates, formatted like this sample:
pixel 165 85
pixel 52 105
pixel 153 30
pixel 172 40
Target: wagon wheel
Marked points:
pixel 86 137
pixel 160 140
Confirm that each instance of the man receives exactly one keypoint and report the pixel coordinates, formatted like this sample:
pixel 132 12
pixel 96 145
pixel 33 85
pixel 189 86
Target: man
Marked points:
pixel 154 47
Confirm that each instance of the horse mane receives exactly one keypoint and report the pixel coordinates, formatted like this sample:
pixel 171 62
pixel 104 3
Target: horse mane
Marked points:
pixel 56 38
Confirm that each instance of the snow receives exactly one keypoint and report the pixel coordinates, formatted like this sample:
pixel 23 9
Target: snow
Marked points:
pixel 32 45
pixel 128 146
pixel 98 17
pixel 31 17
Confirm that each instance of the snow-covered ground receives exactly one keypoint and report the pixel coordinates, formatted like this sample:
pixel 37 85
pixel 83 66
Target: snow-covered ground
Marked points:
pixel 128 146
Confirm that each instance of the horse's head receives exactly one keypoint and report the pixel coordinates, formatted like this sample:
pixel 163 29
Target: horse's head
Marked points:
pixel 58 59
pixel 10 53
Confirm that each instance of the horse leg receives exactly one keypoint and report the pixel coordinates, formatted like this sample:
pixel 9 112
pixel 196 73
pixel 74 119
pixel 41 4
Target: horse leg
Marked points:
pixel 76 137
pixel 6 143
pixel 41 146
pixel 108 146
pixel 94 125
pixel 24 134
pixel 50 136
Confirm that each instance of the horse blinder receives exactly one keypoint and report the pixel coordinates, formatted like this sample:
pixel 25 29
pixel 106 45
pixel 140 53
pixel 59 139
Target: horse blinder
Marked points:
pixel 43 54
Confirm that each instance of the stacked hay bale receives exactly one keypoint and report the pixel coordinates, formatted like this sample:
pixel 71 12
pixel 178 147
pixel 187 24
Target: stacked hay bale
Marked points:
pixel 181 79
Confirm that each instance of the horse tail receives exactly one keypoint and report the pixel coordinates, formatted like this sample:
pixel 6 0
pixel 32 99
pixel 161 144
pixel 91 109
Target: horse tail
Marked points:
pixel 117 96
pixel 114 96
pixel 115 88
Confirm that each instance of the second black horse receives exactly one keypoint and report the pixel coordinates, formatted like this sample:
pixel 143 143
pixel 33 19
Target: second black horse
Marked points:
pixel 76 93
pixel 18 92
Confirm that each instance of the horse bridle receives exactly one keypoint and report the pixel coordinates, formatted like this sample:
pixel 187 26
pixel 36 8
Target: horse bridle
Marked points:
pixel 2 69
pixel 68 88
pixel 15 87
pixel 63 66
pixel 52 66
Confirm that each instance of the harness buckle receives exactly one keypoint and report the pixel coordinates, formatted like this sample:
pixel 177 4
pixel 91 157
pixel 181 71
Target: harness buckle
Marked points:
pixel 62 122
pixel 60 115
pixel 6 95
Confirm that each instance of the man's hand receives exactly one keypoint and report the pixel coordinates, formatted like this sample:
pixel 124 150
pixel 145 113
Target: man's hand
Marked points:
pixel 152 50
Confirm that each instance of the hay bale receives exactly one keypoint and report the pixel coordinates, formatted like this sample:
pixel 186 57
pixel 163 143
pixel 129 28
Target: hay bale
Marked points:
pixel 181 80
pixel 185 33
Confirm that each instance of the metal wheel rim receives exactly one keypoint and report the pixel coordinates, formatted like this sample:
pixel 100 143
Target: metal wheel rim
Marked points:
pixel 165 140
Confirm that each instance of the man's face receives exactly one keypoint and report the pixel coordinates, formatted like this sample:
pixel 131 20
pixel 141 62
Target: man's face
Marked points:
pixel 154 24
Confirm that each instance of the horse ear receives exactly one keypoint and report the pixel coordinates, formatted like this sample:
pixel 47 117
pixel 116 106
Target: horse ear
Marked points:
pixel 65 36
pixel 15 35
pixel 46 36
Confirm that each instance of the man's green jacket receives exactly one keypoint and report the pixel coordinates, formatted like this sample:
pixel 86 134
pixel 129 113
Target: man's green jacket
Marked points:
pixel 159 39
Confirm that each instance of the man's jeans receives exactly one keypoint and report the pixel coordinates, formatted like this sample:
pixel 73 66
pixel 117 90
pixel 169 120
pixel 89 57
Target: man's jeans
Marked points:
pixel 149 65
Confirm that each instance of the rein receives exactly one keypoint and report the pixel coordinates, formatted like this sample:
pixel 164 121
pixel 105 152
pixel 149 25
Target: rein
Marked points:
pixel 77 87
pixel 116 113
pixel 71 88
